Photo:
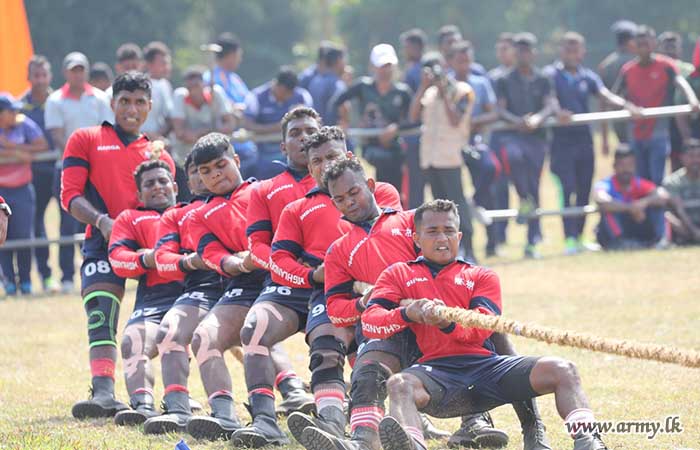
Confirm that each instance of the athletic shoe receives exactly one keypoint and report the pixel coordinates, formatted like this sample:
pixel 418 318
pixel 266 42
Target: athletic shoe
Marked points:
pixel 10 289
pixel 394 437
pixel 134 417
pixel 534 437
pixel 263 431
pixel 67 287
pixel 296 400
pixel 527 207
pixel 297 422
pixel 571 246
pixel 51 285
pixel 100 404
pixel 316 439
pixel 531 252
pixel 430 431
pixel 477 431
pixel 26 288
pixel 589 442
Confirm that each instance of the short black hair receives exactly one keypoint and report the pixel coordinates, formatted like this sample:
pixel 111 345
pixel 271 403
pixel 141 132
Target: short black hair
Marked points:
pixel 188 162
pixel 101 70
pixel 298 113
pixel 691 144
pixel 446 31
pixel 131 81
pixel 338 168
pixel 210 147
pixel 153 49
pixel 287 77
pixel 196 71
pixel 670 36
pixel 150 165
pixel 129 51
pixel 462 46
pixel 332 55
pixel 438 205
pixel 325 134
pixel 229 43
pixel 38 60
pixel 415 36
pixel 623 151
pixel 645 31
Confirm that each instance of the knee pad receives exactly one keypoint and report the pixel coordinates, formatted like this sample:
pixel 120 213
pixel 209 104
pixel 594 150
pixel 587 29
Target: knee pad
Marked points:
pixel 102 309
pixel 369 385
pixel 327 359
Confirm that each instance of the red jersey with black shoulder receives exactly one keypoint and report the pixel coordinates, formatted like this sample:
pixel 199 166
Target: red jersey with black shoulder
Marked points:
pixel 362 254
pixel 97 165
pixel 268 199
pixel 135 229
pixel 175 241
pixel 307 227
pixel 459 284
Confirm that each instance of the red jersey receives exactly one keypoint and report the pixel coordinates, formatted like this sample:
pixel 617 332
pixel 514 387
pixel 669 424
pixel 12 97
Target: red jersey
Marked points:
pixel 458 284
pixel 362 254
pixel 97 165
pixel 218 226
pixel 267 201
pixel 649 86
pixel 306 229
pixel 135 229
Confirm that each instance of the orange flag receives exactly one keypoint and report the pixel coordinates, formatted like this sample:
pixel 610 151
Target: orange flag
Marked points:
pixel 15 47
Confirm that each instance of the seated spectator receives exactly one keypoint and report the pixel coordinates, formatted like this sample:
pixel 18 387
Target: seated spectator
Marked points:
pixel 631 207
pixel 197 110
pixel 20 136
pixel 265 107
pixel 101 76
pixel 684 187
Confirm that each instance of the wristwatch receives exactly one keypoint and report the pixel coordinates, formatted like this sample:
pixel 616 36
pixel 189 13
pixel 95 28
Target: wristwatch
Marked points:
pixel 4 207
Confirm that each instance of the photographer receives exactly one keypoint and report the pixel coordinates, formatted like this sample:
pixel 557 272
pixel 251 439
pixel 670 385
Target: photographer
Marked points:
pixel 444 106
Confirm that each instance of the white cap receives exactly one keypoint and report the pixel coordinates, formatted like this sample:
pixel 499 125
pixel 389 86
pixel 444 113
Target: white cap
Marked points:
pixel 383 54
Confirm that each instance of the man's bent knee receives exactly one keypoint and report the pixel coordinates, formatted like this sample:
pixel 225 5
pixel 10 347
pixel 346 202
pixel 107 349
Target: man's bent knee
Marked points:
pixel 203 346
pixel 327 360
pixel 369 384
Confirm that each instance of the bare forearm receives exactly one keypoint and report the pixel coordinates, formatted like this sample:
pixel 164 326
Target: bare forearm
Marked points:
pixel 59 138
pixel 82 210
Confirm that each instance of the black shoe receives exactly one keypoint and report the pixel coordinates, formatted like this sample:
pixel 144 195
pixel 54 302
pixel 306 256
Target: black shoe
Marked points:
pixel 478 431
pixel 534 437
pixel 100 404
pixel 263 431
pixel 316 439
pixel 430 431
pixel 589 442
pixel 297 422
pixel 212 428
pixel 176 414
pixel 296 400
pixel 134 417
pixel 394 437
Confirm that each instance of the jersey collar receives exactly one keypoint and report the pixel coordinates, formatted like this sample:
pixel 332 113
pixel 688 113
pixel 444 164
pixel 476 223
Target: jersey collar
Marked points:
pixel 315 191
pixel 66 93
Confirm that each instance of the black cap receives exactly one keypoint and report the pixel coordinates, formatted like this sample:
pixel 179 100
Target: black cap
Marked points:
pixel 525 38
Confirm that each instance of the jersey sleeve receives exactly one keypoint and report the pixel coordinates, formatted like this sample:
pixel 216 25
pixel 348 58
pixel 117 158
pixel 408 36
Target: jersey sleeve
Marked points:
pixel 259 229
pixel 209 248
pixel 384 316
pixel 287 247
pixel 53 118
pixel 123 249
pixel 387 196
pixel 168 251
pixel 76 164
pixel 486 299
pixel 341 301
pixel 646 187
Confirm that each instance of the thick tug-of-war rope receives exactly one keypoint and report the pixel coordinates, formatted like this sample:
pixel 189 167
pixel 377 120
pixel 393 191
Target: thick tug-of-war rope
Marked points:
pixel 623 347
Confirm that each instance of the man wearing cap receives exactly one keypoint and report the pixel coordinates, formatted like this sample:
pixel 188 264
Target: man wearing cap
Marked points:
pixel 34 100
pixel 525 99
pixel 265 107
pixel 383 103
pixel 609 70
pixel 650 80
pixel 20 136
pixel 75 105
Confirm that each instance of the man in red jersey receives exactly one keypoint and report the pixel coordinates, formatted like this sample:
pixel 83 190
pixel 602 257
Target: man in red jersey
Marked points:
pixel 305 230
pixel 456 374
pixel 131 255
pixel 96 185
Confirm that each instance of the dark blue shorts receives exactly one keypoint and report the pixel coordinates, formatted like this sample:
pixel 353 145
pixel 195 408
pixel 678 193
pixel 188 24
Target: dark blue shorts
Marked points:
pixel 462 385
pixel 317 314
pixel 153 310
pixel 203 298
pixel 295 299
pixel 401 345
pixel 98 270
pixel 239 294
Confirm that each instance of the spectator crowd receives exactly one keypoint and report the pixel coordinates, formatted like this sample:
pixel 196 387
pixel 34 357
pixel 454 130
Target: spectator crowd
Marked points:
pixel 446 92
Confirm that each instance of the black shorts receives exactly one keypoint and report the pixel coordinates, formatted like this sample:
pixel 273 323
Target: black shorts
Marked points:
pixel 401 345
pixel 153 310
pixel 295 299
pixel 96 270
pixel 203 298
pixel 317 314
pixel 470 384
pixel 240 294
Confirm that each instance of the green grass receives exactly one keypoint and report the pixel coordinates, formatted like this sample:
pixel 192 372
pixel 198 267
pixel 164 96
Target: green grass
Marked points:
pixel 649 296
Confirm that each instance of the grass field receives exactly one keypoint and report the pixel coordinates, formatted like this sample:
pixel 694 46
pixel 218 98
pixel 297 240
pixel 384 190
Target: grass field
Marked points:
pixel 647 296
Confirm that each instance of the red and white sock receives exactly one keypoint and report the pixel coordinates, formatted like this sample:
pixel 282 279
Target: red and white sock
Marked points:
pixel 367 416
pixel 175 388
pixel 102 367
pixel 416 434
pixel 329 398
